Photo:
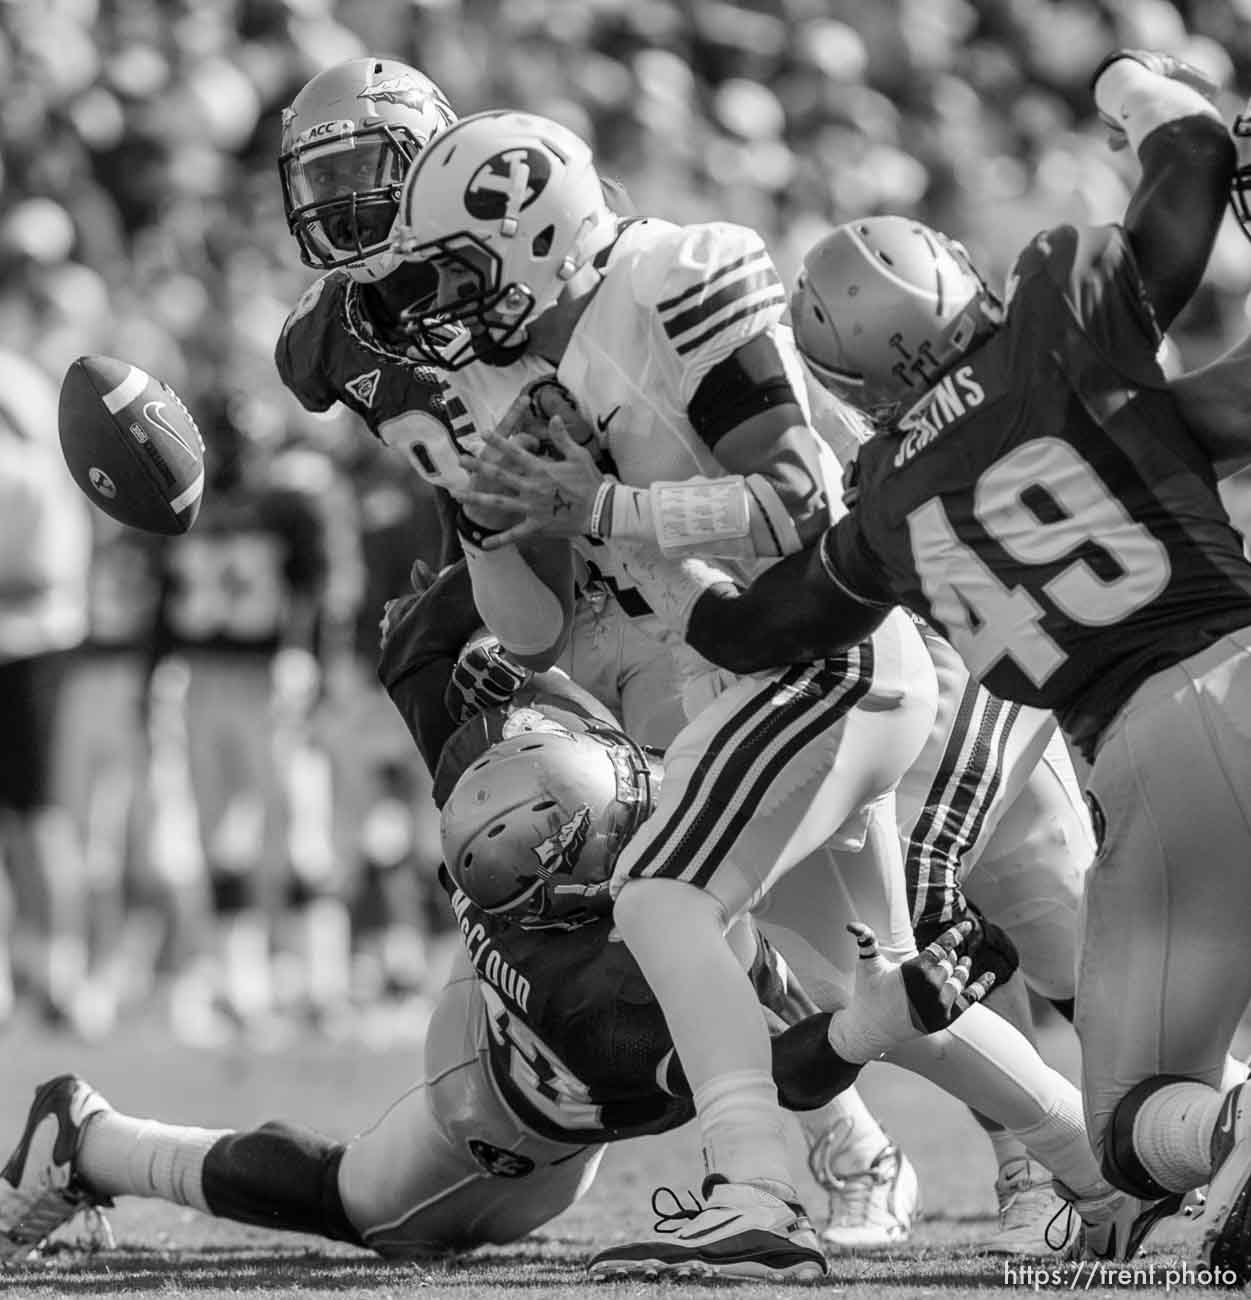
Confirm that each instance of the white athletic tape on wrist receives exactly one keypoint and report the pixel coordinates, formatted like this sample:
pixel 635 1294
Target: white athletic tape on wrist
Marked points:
pixel 712 516
pixel 1139 100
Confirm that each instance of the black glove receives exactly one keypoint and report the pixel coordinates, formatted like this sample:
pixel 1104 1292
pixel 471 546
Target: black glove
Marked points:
pixel 989 945
pixel 483 678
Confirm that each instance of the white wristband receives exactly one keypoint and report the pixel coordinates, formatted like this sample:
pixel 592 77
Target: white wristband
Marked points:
pixel 1139 99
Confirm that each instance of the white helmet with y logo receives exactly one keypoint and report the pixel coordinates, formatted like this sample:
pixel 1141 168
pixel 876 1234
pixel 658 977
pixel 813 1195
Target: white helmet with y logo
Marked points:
pixel 509 207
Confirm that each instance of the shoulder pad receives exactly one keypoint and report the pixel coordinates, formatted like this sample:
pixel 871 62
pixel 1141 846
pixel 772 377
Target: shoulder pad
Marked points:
pixel 719 288
pixel 301 353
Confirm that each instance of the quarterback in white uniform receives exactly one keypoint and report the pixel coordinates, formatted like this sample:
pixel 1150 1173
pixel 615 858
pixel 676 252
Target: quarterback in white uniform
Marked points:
pixel 669 341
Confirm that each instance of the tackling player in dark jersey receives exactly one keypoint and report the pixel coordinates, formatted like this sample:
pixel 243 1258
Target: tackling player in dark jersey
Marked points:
pixel 348 139
pixel 1036 493
pixel 546 1042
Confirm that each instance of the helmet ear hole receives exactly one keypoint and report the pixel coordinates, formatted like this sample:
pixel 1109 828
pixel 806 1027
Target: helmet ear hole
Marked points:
pixel 541 245
pixel 497 829
pixel 543 806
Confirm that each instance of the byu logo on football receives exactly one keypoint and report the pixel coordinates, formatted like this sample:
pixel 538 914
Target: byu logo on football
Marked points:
pixel 507 184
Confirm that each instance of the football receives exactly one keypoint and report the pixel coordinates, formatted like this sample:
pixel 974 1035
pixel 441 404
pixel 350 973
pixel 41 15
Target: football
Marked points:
pixel 131 445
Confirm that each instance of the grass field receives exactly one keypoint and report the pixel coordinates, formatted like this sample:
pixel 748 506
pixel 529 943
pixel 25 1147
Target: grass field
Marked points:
pixel 164 1251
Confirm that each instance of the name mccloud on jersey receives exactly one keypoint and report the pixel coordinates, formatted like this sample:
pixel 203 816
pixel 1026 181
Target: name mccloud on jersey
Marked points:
pixel 953 396
pixel 486 957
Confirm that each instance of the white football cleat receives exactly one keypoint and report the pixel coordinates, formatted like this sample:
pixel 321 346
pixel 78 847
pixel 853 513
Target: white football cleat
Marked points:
pixel 870 1208
pixel 38 1188
pixel 1033 1220
pixel 741 1231
pixel 1226 1215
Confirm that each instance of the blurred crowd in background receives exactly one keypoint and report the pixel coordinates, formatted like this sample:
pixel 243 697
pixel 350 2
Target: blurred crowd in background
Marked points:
pixel 141 217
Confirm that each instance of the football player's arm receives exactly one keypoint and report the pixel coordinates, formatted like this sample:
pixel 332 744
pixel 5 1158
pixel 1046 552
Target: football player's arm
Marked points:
pixel 524 594
pixel 422 637
pixel 1187 159
pixel 772 500
pixel 805 607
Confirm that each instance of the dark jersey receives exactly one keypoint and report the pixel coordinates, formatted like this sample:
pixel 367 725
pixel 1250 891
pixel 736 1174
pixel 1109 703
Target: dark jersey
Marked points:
pixel 1045 506
pixel 577 1039
pixel 329 352
pixel 256 556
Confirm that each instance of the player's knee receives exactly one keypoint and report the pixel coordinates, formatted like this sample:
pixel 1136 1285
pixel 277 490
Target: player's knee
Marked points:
pixel 279 1175
pixel 1119 1158
pixel 653 904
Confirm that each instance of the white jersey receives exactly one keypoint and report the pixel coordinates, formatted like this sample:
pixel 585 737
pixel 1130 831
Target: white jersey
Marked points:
pixel 675 302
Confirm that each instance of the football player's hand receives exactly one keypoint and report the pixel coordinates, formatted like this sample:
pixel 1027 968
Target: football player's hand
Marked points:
pixel 1166 65
pixel 988 946
pixel 940 980
pixel 554 493
pixel 484 677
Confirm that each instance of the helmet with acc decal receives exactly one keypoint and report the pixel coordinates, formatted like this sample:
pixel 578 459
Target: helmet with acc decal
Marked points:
pixel 509 207
pixel 348 139
pixel 533 828
pixel 884 307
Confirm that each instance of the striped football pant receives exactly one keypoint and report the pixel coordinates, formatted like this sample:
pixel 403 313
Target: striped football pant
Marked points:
pixel 780 764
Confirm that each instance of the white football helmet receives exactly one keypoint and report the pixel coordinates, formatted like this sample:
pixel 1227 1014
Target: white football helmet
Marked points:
pixel 533 828
pixel 348 139
pixel 884 307
pixel 508 207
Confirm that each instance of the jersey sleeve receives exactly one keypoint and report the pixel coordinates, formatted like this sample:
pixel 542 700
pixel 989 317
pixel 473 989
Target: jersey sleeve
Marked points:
pixel 299 351
pixel 850 565
pixel 718 289
pixel 1094 271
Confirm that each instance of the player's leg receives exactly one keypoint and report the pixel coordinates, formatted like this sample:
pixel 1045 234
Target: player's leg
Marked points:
pixel 981 1059
pixel 44 850
pixel 472 1174
pixel 1028 878
pixel 871 1185
pixel 446 1168
pixel 1163 979
pixel 760 780
pixel 650 683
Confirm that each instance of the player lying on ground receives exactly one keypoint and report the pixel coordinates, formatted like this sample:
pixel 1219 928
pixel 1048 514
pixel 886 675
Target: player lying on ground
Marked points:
pixel 1037 495
pixel 545 1044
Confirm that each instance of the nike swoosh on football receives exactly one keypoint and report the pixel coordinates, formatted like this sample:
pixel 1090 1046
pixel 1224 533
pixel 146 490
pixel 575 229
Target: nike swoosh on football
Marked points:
pixel 603 421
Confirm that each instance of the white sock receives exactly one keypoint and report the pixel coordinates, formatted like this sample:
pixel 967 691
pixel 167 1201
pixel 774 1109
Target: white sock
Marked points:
pixel 119 1155
pixel 1059 1142
pixel 992 1067
pixel 744 1131
pixel 859 1138
pixel 1173 1134
pixel 677 935
pixel 1006 1146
